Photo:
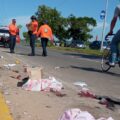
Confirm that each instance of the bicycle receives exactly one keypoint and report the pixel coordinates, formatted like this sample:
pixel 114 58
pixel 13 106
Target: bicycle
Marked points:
pixel 106 55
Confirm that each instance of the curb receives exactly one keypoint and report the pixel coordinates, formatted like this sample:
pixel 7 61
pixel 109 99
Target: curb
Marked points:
pixel 4 110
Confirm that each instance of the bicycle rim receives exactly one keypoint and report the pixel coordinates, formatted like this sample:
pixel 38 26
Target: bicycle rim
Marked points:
pixel 105 58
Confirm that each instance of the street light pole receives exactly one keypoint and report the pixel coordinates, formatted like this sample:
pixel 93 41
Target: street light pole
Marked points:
pixel 103 31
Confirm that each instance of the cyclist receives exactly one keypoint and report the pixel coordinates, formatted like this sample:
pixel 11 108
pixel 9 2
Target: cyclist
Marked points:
pixel 116 39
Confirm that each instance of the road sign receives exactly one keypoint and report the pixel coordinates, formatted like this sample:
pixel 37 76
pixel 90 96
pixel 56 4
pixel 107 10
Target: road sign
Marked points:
pixel 102 14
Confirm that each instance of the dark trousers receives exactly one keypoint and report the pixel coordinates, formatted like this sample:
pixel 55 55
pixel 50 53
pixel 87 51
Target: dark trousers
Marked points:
pixel 12 43
pixel 44 42
pixel 115 47
pixel 32 43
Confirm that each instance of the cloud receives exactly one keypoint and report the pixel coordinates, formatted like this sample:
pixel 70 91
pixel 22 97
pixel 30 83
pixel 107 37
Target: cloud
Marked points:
pixel 100 25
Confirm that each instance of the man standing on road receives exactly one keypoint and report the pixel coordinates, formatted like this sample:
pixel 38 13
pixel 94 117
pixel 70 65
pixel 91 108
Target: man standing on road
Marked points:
pixel 45 32
pixel 13 30
pixel 32 31
pixel 116 38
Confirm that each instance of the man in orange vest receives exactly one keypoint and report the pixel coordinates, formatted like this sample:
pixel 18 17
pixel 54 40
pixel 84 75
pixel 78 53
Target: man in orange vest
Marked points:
pixel 45 32
pixel 13 30
pixel 32 31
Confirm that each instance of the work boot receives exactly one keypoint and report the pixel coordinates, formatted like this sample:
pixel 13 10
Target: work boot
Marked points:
pixel 31 54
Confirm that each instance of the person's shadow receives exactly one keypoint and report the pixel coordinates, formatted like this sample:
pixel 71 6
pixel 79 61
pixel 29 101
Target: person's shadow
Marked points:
pixel 24 54
pixel 95 70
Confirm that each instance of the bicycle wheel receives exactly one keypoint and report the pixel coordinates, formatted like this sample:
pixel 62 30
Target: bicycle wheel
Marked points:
pixel 105 60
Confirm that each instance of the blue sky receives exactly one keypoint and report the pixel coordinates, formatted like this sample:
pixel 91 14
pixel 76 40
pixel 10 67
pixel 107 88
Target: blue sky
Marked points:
pixel 23 9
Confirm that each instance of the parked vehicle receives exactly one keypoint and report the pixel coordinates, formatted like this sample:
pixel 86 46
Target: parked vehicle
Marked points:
pixel 5 37
pixel 97 45
pixel 75 43
pixel 57 43
pixel 80 44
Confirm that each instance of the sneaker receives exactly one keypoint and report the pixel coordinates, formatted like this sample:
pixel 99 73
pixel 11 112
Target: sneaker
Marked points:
pixel 112 64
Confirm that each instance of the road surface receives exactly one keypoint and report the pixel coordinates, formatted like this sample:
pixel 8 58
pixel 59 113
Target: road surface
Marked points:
pixel 68 67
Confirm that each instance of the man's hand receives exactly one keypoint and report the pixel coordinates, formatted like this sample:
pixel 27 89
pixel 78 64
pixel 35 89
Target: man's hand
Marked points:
pixel 109 33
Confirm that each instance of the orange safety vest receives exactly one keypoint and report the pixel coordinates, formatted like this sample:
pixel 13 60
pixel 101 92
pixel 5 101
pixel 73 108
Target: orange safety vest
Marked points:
pixel 45 32
pixel 13 29
pixel 34 25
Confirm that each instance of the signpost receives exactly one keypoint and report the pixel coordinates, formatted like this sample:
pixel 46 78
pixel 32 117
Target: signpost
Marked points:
pixel 103 15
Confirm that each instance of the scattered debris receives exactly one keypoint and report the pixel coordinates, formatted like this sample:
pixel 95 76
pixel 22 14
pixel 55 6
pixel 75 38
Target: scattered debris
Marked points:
pixel 80 84
pixel 25 113
pixel 110 102
pixel 20 84
pixel 48 106
pixel 8 102
pixel 17 62
pixel 85 92
pixel 1 84
pixel 6 93
pixel 16 71
pixel 1 57
pixel 34 73
pixel 58 93
pixel 8 66
pixel 18 77
pixel 57 67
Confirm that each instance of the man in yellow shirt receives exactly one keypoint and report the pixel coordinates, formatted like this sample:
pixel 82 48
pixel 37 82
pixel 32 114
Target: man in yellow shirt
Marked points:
pixel 45 32
pixel 13 30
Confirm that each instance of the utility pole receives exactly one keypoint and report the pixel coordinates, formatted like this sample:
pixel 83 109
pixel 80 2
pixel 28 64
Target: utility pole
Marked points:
pixel 104 23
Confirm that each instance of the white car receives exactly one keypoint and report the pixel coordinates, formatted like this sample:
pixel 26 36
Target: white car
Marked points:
pixel 80 44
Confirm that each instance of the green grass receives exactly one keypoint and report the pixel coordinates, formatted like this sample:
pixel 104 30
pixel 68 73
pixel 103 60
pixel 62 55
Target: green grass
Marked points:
pixel 79 50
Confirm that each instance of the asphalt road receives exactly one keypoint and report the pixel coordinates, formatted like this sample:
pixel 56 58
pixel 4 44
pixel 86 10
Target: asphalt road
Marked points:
pixel 70 67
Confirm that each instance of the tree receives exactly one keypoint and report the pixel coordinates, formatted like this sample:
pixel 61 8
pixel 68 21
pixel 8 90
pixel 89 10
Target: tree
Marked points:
pixel 19 26
pixel 79 28
pixel 26 36
pixel 55 20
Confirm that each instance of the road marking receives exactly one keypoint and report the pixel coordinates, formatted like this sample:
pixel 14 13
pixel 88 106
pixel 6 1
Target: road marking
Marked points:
pixel 4 111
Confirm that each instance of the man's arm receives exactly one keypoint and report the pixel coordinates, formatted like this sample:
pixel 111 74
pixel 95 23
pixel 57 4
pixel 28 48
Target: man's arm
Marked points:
pixel 39 32
pixel 112 25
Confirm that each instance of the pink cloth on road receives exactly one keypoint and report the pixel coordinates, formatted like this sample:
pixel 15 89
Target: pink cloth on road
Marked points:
pixel 77 114
pixel 43 85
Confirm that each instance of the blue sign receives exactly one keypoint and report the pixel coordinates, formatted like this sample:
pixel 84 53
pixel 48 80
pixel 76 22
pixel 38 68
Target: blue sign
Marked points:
pixel 102 14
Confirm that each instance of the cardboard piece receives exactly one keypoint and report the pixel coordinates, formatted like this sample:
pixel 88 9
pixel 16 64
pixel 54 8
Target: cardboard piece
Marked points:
pixel 34 73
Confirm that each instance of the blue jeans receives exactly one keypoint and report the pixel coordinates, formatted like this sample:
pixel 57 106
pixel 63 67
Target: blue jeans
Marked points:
pixel 12 42
pixel 32 43
pixel 44 42
pixel 115 47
